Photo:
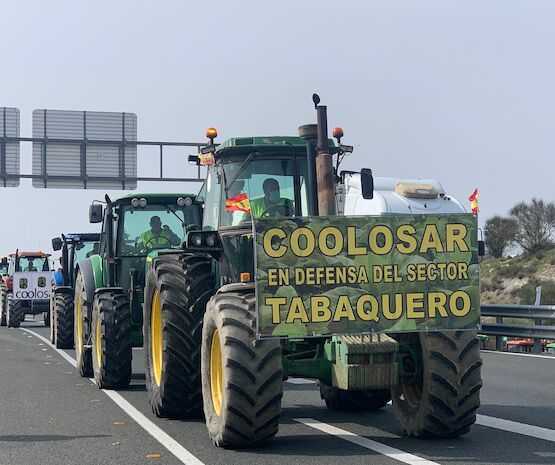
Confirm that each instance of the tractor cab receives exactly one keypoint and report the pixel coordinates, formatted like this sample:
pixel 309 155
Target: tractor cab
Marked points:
pixel 75 247
pixel 136 229
pixel 249 177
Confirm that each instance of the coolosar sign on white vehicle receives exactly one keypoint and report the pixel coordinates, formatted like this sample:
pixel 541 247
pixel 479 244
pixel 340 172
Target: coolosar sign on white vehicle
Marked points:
pixel 32 285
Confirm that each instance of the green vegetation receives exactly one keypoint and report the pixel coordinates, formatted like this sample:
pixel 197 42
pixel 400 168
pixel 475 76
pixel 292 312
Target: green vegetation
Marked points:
pixel 513 280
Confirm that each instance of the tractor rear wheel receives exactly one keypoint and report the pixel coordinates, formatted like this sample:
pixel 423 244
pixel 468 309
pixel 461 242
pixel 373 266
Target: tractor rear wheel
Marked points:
pixel 177 291
pixel 82 310
pixel 63 320
pixel 441 399
pixel 16 312
pixel 52 314
pixel 3 305
pixel 242 383
pixel 353 401
pixel 111 341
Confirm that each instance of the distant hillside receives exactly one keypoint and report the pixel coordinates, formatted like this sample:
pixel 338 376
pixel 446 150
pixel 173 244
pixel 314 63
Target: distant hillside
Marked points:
pixel 514 280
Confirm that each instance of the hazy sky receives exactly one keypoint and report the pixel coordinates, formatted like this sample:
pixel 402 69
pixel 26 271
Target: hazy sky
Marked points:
pixel 458 91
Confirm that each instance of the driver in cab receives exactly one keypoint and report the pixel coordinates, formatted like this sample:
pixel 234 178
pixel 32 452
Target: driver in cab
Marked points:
pixel 272 204
pixel 158 236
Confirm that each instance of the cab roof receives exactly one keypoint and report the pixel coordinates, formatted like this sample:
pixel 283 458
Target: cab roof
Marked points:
pixel 156 195
pixel 31 254
pixel 264 144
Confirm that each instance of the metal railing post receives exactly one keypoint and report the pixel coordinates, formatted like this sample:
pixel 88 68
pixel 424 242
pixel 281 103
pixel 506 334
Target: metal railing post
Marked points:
pixel 537 347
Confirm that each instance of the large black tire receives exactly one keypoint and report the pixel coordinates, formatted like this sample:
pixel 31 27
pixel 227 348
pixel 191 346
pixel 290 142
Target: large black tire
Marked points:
pixel 82 311
pixel 16 311
pixel 3 305
pixel 442 402
pixel 52 314
pixel 249 372
pixel 353 401
pixel 63 320
pixel 180 287
pixel 111 342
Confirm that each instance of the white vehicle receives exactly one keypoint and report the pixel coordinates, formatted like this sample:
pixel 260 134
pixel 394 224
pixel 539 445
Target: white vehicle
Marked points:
pixel 394 196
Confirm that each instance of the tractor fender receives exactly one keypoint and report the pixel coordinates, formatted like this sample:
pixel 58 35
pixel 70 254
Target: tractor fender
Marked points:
pixel 91 270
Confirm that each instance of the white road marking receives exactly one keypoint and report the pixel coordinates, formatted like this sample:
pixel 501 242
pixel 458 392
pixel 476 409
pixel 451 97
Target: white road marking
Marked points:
pixel 376 446
pixel 516 427
pixel 545 357
pixel 300 381
pixel 156 432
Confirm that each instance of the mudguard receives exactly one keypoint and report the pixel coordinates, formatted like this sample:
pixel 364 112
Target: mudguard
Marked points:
pixel 91 270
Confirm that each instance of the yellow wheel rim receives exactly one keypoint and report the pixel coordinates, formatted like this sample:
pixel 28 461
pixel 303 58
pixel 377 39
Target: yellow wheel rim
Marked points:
pixel 156 338
pixel 79 320
pixel 216 373
pixel 98 342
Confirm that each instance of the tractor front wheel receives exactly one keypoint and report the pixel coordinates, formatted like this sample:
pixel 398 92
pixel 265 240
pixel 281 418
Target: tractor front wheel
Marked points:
pixel 441 398
pixel 176 293
pixel 63 320
pixel 52 314
pixel 3 305
pixel 353 401
pixel 242 383
pixel 111 340
pixel 81 328
pixel 16 312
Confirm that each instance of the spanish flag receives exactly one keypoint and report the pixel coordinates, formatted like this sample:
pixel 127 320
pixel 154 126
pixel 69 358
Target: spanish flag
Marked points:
pixel 238 203
pixel 474 201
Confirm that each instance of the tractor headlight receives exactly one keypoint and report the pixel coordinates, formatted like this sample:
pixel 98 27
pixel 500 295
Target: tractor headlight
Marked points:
pixel 210 240
pixel 135 202
pixel 142 202
pixel 180 202
pixel 196 240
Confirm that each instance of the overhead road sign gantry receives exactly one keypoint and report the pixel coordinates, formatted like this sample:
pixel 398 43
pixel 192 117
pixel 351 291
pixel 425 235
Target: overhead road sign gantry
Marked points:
pixel 9 147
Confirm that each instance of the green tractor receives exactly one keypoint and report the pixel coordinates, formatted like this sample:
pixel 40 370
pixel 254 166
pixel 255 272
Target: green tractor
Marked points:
pixel 108 299
pixel 233 373
pixel 74 247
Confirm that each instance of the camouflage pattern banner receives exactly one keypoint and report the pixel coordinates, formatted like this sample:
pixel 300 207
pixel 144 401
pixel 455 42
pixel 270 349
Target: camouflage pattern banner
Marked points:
pixel 351 275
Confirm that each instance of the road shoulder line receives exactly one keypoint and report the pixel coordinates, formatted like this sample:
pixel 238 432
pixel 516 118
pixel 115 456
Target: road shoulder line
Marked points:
pixel 376 446
pixel 155 431
pixel 515 427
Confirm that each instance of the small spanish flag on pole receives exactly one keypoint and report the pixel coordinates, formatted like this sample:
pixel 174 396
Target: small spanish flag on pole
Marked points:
pixel 238 203
pixel 474 201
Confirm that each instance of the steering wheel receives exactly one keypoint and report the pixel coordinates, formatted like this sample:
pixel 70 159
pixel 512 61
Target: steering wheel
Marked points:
pixel 283 210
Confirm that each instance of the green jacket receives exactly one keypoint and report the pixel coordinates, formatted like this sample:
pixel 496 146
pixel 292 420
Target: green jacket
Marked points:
pixel 149 240
pixel 259 206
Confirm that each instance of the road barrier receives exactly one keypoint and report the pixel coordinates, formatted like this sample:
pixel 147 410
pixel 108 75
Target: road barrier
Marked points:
pixel 538 331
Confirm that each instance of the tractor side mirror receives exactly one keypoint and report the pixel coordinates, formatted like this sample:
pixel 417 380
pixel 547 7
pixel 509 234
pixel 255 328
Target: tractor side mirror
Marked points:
pixel 95 213
pixel 57 243
pixel 367 183
pixel 4 261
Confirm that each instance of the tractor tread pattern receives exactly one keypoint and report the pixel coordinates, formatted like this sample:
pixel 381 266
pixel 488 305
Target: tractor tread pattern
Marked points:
pixel 3 305
pixel 254 375
pixel 448 408
pixel 63 320
pixel 182 281
pixel 114 371
pixel 84 357
pixel 16 311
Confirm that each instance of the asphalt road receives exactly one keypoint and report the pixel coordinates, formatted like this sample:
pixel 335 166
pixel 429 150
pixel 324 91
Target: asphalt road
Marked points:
pixel 50 415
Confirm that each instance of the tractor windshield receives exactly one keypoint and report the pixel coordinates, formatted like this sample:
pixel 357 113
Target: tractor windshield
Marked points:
pixel 84 250
pixel 269 187
pixel 154 227
pixel 33 264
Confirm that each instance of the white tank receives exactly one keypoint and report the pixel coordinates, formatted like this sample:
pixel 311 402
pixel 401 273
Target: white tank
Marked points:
pixel 393 196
